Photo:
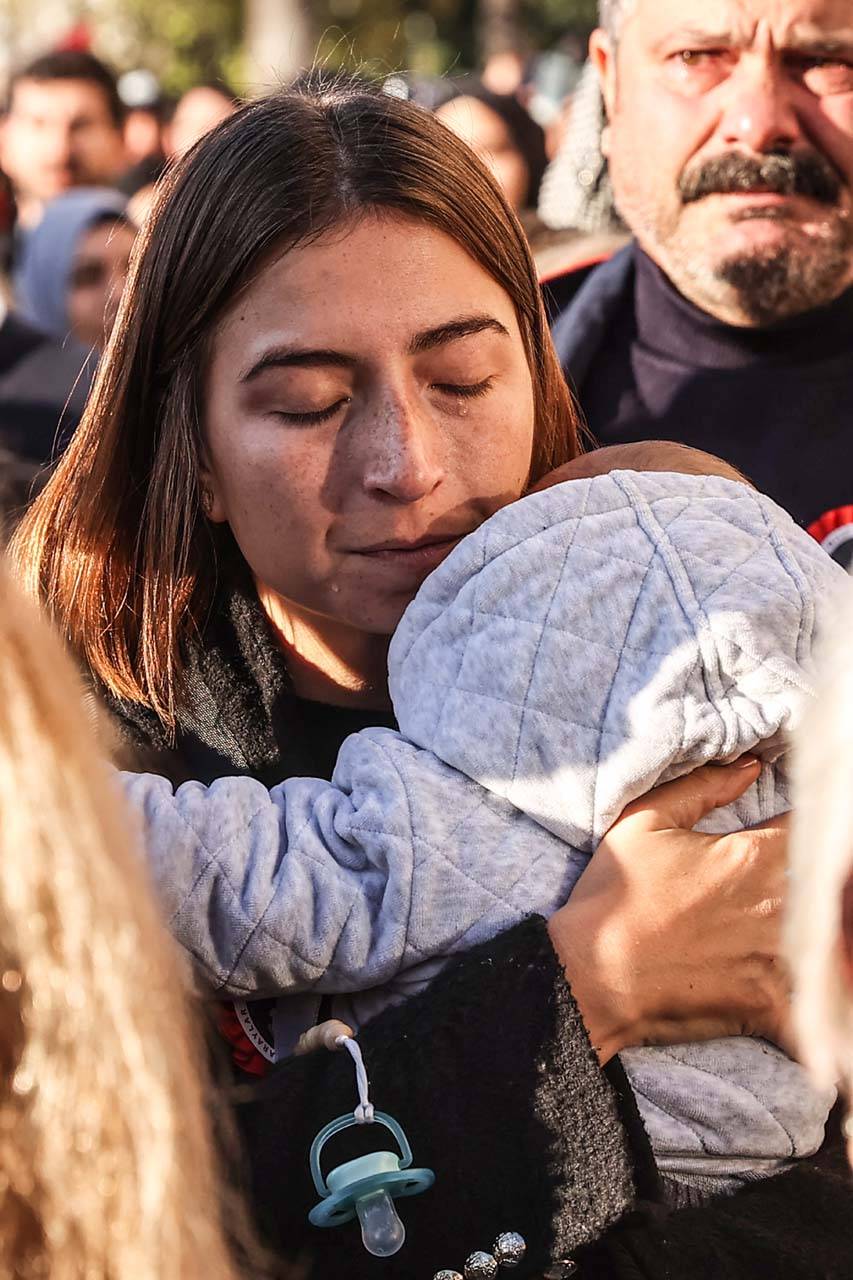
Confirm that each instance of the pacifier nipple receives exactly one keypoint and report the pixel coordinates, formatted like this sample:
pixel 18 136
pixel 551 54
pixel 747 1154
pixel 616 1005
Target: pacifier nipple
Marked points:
pixel 382 1232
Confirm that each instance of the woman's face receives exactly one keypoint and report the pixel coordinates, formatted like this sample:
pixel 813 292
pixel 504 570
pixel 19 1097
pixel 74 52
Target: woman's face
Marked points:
pixel 97 278
pixel 368 403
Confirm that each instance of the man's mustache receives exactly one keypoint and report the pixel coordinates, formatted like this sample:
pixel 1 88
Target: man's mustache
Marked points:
pixel 784 173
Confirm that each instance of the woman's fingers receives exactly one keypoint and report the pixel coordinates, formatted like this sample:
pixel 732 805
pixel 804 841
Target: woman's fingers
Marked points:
pixel 683 803
pixel 670 932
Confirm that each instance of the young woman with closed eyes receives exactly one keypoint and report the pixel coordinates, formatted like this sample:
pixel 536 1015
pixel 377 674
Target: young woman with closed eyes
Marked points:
pixel 332 362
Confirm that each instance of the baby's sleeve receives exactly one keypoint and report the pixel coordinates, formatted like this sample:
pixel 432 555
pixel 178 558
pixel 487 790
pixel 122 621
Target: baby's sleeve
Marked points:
pixel 329 886
pixel 305 885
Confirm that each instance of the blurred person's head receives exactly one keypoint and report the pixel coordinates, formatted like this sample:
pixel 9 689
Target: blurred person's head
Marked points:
pixel 106 1159
pixel 505 137
pixel 642 455
pixel 74 265
pixel 730 144
pixel 819 928
pixel 332 336
pixel 143 132
pixel 62 129
pixel 145 113
pixel 197 112
pixel 503 71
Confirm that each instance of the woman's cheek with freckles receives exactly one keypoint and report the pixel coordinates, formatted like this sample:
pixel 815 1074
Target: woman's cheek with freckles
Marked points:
pixel 280 524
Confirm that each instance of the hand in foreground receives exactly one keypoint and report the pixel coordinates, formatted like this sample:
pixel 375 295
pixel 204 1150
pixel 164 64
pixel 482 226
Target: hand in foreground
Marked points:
pixel 671 935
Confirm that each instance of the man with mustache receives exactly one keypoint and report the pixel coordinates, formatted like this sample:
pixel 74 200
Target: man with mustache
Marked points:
pixel 728 323
pixel 62 128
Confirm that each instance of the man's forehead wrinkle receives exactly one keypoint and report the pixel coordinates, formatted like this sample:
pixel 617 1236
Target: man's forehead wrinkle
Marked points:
pixel 698 36
pixel 786 21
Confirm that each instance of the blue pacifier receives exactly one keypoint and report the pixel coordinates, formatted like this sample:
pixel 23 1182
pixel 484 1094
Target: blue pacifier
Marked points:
pixel 366 1188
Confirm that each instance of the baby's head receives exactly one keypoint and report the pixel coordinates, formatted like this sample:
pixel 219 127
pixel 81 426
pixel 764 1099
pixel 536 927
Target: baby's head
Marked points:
pixel 645 455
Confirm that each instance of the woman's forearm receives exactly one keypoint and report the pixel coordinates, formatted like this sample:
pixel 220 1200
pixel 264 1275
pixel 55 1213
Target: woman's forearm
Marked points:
pixel 492 1076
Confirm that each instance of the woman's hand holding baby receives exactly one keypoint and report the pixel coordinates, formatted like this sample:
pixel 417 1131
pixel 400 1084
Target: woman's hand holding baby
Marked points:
pixel 671 935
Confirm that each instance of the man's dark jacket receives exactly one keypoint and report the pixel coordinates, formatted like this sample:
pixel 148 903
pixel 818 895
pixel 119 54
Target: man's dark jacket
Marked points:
pixel 776 402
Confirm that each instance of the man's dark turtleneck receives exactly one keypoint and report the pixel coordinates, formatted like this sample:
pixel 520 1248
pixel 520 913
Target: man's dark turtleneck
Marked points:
pixel 777 401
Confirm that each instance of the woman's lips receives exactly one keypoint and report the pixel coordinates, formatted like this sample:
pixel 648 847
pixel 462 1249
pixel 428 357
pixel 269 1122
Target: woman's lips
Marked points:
pixel 426 555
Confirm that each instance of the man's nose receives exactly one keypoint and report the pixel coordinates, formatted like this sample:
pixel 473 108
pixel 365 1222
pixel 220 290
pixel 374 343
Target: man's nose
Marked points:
pixel 760 114
pixel 401 455
pixel 58 144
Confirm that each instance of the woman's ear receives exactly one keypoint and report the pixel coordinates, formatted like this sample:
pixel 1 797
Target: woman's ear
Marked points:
pixel 211 498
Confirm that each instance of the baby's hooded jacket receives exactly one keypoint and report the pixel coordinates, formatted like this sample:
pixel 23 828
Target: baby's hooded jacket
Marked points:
pixel 582 646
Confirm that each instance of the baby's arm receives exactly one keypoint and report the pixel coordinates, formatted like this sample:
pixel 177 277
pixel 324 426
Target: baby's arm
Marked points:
pixel 274 891
pixel 317 885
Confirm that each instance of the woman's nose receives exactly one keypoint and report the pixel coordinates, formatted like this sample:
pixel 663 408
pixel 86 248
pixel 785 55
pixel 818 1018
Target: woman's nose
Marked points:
pixel 401 452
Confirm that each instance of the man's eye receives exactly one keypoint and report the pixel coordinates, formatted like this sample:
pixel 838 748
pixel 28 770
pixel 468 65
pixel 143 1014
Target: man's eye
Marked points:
pixel 468 390
pixel 88 275
pixel 698 57
pixel 823 74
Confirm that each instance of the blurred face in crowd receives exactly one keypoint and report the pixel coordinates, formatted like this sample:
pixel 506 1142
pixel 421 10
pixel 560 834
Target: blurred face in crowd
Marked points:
pixel 97 278
pixel 488 136
pixel 143 134
pixel 731 148
pixel 369 403
pixel 59 134
pixel 198 111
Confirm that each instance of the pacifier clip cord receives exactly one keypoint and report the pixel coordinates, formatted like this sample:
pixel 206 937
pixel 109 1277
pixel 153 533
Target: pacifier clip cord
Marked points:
pixel 364 1188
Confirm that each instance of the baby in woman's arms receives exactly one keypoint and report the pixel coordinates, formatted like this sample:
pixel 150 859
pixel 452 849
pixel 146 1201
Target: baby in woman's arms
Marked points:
pixel 645 612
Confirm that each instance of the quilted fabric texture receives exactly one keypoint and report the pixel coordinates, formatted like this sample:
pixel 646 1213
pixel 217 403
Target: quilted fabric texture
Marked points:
pixel 609 634
pixel 583 645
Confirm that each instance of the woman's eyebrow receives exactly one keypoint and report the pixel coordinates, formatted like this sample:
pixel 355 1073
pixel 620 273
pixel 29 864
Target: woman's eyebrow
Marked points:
pixel 461 328
pixel 297 357
pixel 289 357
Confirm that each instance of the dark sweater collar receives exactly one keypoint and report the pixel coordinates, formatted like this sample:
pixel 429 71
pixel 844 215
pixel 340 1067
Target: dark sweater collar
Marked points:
pixel 239 714
pixel 672 327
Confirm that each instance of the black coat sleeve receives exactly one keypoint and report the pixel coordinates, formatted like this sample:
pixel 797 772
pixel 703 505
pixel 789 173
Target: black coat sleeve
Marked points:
pixel 491 1074
pixel 798 1226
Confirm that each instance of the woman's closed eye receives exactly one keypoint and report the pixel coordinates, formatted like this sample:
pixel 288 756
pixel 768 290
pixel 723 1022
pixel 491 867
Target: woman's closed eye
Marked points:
pixel 308 417
pixel 313 417
pixel 467 390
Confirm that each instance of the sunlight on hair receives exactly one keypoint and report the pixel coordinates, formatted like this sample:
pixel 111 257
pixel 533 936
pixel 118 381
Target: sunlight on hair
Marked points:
pixel 106 1163
pixel 822 862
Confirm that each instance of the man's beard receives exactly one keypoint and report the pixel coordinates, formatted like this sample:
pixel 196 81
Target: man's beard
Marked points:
pixel 792 279
pixel 803 271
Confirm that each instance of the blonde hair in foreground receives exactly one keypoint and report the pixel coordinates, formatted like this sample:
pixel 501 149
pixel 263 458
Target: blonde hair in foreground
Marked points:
pixel 106 1163
pixel 822 862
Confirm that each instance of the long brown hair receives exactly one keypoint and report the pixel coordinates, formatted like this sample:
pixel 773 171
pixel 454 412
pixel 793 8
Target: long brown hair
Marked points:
pixel 106 1160
pixel 117 545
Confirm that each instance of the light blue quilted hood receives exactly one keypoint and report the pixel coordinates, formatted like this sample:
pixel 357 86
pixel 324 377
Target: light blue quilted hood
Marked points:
pixel 593 639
